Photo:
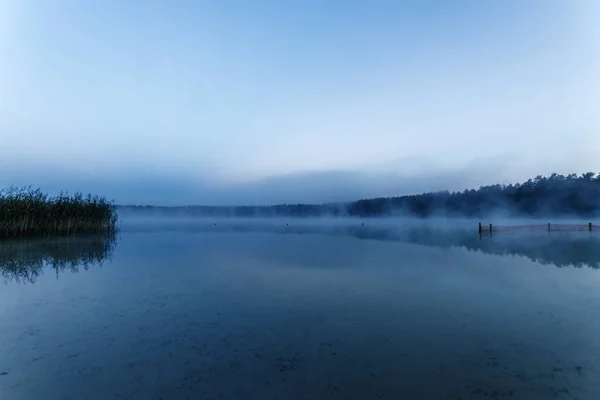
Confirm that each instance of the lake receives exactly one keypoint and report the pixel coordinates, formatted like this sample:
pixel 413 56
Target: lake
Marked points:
pixel 290 309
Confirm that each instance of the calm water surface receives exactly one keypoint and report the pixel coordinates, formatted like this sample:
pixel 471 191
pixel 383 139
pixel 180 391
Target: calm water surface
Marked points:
pixel 296 311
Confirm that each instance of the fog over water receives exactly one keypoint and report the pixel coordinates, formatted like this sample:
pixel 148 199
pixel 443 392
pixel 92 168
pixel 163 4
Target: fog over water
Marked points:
pixel 301 309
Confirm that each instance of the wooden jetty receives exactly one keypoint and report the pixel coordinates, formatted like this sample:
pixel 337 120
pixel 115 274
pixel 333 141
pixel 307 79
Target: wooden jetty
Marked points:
pixel 482 228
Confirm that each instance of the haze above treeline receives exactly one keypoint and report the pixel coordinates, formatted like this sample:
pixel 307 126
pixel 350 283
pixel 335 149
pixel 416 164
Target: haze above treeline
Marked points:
pixel 554 195
pixel 271 102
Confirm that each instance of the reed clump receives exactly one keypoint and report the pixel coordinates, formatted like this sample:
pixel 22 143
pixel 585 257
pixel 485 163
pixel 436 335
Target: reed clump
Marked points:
pixel 26 212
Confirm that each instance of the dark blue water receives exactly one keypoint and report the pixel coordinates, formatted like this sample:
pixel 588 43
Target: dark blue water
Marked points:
pixel 300 312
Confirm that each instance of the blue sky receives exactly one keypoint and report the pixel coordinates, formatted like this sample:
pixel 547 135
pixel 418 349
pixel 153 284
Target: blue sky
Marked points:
pixel 226 102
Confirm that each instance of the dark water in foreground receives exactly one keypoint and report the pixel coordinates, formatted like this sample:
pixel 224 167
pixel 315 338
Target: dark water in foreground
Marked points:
pixel 223 312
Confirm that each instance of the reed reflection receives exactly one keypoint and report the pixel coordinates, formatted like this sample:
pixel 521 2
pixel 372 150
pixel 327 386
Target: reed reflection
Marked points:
pixel 23 261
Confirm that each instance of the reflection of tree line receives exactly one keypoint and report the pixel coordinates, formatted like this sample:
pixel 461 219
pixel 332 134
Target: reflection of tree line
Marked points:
pixel 562 249
pixel 25 260
pixel 559 249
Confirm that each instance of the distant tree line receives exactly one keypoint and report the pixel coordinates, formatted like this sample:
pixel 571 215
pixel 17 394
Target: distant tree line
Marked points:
pixel 553 195
pixel 570 195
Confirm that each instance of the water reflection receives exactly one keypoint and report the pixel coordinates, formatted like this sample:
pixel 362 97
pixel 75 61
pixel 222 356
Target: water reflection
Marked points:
pixel 561 249
pixel 23 261
pixel 235 313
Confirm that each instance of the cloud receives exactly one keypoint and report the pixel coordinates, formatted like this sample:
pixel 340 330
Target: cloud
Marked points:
pixel 370 101
pixel 143 185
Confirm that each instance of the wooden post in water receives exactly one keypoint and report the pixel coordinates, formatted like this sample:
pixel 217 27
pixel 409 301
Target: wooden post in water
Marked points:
pixel 480 230
pixel 490 229
pixel 590 226
pixel 548 226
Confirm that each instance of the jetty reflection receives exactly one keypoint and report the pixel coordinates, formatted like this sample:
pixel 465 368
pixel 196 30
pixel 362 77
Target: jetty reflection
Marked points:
pixel 572 249
pixel 561 249
pixel 558 248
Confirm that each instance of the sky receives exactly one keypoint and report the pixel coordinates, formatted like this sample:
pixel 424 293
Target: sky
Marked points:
pixel 261 102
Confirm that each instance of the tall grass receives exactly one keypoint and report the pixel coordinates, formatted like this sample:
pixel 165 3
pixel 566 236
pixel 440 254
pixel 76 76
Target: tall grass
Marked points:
pixel 27 212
